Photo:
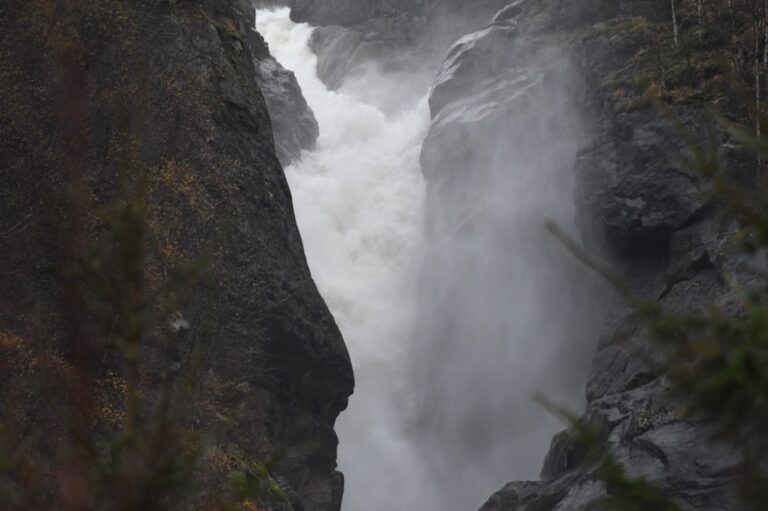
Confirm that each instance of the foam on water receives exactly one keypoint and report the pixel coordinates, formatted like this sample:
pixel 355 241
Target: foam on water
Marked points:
pixel 443 413
pixel 358 199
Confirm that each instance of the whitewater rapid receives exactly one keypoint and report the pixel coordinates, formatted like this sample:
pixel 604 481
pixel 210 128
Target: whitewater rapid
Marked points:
pixel 358 199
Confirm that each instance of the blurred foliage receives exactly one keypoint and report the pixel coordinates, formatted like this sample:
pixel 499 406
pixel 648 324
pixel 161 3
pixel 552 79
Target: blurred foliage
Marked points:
pixel 716 357
pixel 715 40
pixel 122 403
pixel 252 480
pixel 623 492
pixel 106 401
pixel 108 419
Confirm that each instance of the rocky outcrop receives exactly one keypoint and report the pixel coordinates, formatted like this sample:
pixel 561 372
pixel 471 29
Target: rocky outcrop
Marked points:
pixel 630 199
pixel 293 123
pixel 644 213
pixel 394 35
pixel 105 98
pixel 507 123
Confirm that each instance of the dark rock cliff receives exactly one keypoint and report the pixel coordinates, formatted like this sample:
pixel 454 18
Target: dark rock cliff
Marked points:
pixel 164 95
pixel 647 215
pixel 293 122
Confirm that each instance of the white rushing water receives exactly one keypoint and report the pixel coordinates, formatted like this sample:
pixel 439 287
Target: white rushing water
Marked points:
pixel 442 413
pixel 358 199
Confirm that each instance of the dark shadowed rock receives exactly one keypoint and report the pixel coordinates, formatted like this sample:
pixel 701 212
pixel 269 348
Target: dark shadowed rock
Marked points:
pixel 631 195
pixel 293 122
pixel 178 80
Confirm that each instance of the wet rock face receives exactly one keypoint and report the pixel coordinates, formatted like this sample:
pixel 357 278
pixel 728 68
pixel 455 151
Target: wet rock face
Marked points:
pixel 182 80
pixel 351 12
pixel 293 122
pixel 632 200
pixel 472 61
pixel 635 207
pixel 395 35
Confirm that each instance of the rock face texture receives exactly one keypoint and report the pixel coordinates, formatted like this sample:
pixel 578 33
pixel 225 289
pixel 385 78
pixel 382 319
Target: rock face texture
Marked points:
pixel 394 35
pixel 104 98
pixel 293 122
pixel 636 208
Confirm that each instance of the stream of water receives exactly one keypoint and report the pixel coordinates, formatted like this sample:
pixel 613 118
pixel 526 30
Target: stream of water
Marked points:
pixel 358 199
pixel 450 333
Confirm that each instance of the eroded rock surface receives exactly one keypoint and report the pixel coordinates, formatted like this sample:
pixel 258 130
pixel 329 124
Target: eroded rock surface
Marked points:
pixel 393 35
pixel 96 93
pixel 644 213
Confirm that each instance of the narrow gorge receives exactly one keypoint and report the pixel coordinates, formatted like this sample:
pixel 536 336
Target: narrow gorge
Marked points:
pixel 377 255
pixel 522 134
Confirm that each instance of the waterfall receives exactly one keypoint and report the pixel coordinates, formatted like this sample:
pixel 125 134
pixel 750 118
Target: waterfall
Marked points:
pixel 358 199
pixel 451 326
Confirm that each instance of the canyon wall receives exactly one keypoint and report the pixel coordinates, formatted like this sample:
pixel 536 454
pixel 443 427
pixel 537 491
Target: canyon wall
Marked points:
pixel 154 107
pixel 176 98
pixel 542 65
pixel 637 208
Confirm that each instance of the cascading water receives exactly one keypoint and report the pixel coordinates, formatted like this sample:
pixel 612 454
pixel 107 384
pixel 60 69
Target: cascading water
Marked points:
pixel 451 328
pixel 359 200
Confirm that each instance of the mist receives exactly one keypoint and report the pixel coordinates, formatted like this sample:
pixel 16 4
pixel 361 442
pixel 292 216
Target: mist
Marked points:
pixel 359 200
pixel 456 304
pixel 505 313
